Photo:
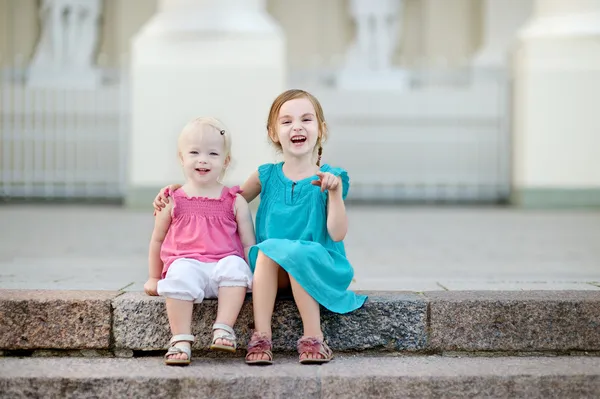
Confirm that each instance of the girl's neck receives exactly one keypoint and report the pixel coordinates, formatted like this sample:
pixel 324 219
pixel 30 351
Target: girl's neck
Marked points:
pixel 299 168
pixel 209 190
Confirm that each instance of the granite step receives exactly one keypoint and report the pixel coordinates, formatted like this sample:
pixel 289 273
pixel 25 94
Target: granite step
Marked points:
pixel 345 377
pixel 129 324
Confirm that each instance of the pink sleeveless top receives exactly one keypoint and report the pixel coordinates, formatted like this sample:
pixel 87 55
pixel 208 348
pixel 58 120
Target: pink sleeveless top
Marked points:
pixel 202 228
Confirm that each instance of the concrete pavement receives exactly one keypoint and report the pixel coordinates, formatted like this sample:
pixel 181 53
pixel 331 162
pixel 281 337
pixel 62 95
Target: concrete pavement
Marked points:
pixel 392 248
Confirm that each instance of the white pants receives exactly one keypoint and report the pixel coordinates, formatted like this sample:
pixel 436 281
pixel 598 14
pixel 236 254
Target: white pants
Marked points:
pixel 191 280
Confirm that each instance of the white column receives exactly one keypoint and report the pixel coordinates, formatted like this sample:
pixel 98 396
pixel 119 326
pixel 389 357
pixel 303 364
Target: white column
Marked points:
pixel 368 63
pixel 501 21
pixel 65 54
pixel 557 92
pixel 221 58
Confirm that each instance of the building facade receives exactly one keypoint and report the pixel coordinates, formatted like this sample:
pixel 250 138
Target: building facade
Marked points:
pixel 427 100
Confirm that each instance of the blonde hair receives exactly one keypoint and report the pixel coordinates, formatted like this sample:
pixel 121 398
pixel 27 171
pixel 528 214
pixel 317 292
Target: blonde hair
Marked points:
pixel 292 95
pixel 195 124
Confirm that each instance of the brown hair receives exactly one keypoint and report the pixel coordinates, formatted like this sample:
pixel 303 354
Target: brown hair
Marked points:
pixel 292 95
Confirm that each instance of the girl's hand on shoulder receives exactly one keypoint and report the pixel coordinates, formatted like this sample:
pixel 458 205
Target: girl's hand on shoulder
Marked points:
pixel 162 199
pixel 151 287
pixel 328 181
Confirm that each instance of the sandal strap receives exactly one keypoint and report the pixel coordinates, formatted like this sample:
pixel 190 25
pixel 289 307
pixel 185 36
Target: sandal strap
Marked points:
pixel 262 352
pixel 259 343
pixel 224 327
pixel 175 350
pixel 326 350
pixel 181 338
pixel 315 346
pixel 223 335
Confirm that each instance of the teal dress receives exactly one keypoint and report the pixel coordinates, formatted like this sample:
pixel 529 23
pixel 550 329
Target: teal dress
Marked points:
pixel 291 229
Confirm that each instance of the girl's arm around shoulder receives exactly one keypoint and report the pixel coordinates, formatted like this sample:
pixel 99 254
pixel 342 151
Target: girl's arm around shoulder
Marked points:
pixel 251 188
pixel 162 198
pixel 245 225
pixel 162 221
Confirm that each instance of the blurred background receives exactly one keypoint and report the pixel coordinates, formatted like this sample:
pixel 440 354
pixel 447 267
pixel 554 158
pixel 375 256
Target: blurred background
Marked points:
pixel 427 100
pixel 439 102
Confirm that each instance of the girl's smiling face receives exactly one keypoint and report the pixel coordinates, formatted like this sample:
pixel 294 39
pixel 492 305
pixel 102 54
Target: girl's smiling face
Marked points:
pixel 203 154
pixel 297 128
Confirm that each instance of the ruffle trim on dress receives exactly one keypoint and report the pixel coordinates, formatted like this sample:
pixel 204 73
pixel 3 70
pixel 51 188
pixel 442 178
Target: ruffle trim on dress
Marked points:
pixel 228 192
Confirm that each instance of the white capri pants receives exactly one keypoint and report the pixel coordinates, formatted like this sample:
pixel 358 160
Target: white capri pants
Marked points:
pixel 191 280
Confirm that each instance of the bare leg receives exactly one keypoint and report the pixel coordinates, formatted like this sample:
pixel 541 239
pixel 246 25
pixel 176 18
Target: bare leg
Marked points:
pixel 230 303
pixel 180 320
pixel 267 279
pixel 309 313
pixel 264 292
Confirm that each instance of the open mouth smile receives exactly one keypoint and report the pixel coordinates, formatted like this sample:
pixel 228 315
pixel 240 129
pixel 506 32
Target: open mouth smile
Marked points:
pixel 298 139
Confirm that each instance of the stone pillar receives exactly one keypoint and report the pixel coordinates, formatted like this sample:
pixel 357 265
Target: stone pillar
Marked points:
pixel 369 59
pixel 66 50
pixel 221 58
pixel 556 96
pixel 501 21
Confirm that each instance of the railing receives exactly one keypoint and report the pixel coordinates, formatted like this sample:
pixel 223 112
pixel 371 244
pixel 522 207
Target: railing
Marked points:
pixel 447 139
pixel 62 143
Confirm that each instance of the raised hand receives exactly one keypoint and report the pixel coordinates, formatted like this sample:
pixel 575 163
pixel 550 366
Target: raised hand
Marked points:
pixel 327 181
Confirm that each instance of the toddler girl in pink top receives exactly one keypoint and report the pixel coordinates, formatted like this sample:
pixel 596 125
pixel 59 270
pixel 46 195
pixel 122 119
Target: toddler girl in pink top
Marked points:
pixel 200 245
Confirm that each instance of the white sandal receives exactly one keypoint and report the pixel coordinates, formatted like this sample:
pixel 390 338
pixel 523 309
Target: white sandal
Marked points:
pixel 227 334
pixel 174 350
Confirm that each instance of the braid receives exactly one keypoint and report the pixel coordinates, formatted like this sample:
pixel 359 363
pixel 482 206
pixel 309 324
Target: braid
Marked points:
pixel 319 153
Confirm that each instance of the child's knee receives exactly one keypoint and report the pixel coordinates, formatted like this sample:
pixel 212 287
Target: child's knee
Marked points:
pixel 263 260
pixel 233 271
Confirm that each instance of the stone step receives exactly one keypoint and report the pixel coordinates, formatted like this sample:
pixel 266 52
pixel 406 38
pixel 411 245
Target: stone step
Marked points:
pixel 430 322
pixel 345 377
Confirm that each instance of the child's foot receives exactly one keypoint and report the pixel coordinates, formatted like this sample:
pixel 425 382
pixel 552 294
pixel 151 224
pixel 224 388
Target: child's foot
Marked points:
pixel 223 338
pixel 180 350
pixel 314 350
pixel 259 349
pixel 184 346
pixel 221 341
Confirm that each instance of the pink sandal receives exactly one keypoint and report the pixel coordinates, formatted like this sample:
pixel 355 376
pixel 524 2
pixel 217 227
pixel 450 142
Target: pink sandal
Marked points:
pixel 316 346
pixel 260 343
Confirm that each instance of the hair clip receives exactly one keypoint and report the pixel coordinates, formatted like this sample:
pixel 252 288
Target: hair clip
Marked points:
pixel 222 132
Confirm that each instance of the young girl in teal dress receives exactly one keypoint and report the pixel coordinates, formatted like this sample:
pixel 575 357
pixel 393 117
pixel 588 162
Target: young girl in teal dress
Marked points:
pixel 300 226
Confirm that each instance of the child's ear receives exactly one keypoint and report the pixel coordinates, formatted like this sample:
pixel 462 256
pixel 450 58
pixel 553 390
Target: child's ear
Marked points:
pixel 180 156
pixel 227 161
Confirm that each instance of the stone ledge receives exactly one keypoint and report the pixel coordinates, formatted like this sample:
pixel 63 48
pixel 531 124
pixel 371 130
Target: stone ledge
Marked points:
pixel 344 377
pixel 433 322
pixel 388 321
pixel 55 319
pixel 514 321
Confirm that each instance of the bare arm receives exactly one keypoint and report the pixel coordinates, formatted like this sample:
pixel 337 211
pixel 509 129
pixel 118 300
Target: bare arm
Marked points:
pixel 251 188
pixel 337 220
pixel 245 224
pixel 162 221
